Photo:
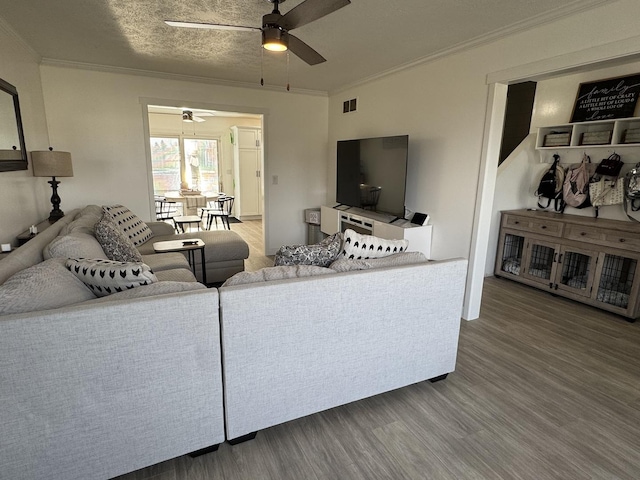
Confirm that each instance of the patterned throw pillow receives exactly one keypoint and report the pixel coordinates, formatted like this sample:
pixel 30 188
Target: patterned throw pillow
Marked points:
pixel 116 245
pixel 137 231
pixel 105 277
pixel 320 254
pixel 358 246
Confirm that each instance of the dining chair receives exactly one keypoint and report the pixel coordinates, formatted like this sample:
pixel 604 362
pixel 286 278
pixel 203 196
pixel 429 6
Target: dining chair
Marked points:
pixel 221 209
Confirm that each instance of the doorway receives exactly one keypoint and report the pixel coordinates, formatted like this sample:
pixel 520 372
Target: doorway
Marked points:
pixel 192 150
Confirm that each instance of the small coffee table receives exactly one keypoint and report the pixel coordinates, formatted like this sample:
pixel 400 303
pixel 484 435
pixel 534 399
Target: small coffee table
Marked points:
pixel 189 245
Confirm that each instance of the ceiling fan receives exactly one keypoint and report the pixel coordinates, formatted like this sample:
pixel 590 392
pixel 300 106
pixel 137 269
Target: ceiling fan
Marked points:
pixel 275 26
pixel 187 114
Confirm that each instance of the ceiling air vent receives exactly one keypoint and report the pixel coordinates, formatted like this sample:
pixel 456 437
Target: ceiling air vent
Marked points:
pixel 349 105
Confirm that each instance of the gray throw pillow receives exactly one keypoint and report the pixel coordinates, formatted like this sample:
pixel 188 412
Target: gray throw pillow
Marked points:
pixel 320 254
pixel 43 286
pixel 116 245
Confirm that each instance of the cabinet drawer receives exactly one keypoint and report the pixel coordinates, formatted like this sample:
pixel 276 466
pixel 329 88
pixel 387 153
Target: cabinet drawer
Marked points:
pixel 534 225
pixel 600 236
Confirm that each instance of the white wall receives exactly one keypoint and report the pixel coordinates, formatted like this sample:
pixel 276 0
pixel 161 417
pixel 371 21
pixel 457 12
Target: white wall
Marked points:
pixel 441 105
pixel 25 199
pixel 98 117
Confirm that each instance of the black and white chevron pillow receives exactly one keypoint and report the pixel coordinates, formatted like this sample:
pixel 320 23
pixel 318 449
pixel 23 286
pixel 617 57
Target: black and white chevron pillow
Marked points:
pixel 138 231
pixel 358 247
pixel 105 277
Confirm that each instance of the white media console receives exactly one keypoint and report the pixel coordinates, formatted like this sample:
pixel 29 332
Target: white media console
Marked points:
pixel 333 220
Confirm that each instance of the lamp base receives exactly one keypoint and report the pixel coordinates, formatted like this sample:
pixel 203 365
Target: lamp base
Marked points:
pixel 55 215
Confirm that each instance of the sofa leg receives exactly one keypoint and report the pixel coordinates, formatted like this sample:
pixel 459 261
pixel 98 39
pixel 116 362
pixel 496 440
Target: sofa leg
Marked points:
pixel 204 451
pixel 438 378
pixel 243 438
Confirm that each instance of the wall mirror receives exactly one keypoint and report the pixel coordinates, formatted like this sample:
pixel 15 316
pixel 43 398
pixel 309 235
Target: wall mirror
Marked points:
pixel 13 153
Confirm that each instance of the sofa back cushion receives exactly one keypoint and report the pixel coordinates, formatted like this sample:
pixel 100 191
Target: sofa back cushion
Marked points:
pixel 137 231
pixel 43 286
pixel 74 245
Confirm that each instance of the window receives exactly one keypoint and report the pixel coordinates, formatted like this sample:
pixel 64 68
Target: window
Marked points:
pixel 184 163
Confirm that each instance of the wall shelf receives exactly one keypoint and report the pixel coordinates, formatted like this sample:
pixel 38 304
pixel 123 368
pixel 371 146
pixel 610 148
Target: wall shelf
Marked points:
pixel 577 131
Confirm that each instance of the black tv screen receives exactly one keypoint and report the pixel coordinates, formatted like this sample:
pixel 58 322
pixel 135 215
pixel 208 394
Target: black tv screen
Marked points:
pixel 372 173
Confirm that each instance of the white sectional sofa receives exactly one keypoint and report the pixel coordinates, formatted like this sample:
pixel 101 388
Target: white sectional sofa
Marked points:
pixel 110 385
pixel 296 347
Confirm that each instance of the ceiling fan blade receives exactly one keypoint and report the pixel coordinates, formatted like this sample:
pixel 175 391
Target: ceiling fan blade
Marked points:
pixel 304 51
pixel 198 119
pixel 308 11
pixel 211 26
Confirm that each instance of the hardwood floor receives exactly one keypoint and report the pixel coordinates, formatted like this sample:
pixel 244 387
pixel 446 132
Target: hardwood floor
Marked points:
pixel 544 388
pixel 251 232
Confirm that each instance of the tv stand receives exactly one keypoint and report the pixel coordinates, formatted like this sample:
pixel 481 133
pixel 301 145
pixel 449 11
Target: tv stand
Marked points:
pixel 333 220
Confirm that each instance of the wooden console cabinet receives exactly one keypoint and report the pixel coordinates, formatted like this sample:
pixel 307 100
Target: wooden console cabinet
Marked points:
pixel 594 261
pixel 333 220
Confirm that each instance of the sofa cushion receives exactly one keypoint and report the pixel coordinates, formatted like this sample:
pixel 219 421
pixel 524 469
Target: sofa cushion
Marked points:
pixel 358 246
pixel 276 273
pixel 116 245
pixel 74 245
pixel 85 221
pixel 105 277
pixel 137 231
pixel 405 258
pixel 165 261
pixel 176 275
pixel 320 254
pixel 43 286
pixel 159 288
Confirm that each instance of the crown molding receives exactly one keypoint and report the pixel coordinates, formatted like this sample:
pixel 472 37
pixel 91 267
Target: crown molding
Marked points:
pixel 574 8
pixel 175 76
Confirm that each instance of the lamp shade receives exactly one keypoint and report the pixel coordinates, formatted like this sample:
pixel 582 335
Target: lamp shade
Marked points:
pixel 51 163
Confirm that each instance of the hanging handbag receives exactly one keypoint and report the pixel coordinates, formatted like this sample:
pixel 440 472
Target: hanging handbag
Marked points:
pixel 606 192
pixel 610 166
pixel 632 191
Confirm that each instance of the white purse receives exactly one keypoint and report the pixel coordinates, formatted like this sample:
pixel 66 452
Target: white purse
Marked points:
pixel 606 192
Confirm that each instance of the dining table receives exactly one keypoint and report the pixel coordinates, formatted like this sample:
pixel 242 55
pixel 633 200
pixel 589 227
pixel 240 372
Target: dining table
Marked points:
pixel 191 202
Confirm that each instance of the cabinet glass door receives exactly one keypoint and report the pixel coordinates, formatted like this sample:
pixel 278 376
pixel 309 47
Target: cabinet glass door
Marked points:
pixel 576 270
pixel 540 261
pixel 616 280
pixel 510 254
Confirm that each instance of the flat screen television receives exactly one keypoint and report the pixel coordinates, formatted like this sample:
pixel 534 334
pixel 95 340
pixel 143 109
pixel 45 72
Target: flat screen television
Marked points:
pixel 372 174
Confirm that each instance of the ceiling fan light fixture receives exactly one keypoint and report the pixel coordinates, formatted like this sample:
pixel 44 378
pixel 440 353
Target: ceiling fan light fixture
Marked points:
pixel 274 39
pixel 187 116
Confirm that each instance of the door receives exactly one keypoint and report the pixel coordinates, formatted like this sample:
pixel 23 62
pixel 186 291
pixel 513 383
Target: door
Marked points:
pixel 510 254
pixel 615 281
pixel 576 270
pixel 540 261
pixel 247 171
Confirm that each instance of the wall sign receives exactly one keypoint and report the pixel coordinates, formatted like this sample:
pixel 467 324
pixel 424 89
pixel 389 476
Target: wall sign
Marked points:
pixel 605 99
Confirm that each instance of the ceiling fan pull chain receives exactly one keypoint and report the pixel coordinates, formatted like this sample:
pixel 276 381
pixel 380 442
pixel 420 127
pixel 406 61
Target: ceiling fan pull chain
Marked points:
pixel 288 71
pixel 261 68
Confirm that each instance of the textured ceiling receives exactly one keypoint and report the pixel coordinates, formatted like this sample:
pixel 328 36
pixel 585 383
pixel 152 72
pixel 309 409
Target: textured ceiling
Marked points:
pixel 359 41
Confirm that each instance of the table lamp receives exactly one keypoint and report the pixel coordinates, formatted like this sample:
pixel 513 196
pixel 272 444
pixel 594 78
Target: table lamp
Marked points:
pixel 52 164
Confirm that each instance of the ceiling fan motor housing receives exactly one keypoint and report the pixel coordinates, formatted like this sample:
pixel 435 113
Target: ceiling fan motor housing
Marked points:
pixel 272 32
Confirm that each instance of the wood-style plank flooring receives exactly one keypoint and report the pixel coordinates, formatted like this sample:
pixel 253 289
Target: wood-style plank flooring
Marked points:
pixel 544 388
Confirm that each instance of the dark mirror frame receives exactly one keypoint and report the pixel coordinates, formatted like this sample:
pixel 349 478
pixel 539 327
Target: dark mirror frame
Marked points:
pixel 8 162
